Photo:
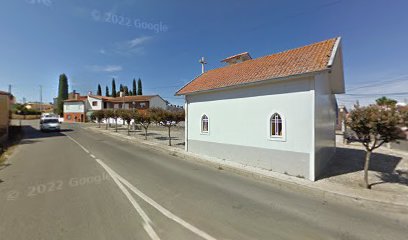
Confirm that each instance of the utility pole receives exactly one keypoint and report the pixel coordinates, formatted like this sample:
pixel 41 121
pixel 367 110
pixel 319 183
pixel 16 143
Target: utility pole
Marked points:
pixel 9 88
pixel 41 98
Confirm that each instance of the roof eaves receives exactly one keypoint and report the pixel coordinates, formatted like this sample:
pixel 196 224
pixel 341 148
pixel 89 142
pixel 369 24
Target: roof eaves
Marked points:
pixel 334 51
pixel 261 81
pixel 177 93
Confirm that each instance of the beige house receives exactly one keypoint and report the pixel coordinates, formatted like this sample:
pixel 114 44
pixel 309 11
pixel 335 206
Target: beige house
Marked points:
pixel 4 115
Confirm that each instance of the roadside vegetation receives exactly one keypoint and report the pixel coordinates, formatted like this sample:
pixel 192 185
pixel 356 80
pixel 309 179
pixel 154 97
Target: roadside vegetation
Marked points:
pixel 375 125
pixel 143 118
pixel 15 135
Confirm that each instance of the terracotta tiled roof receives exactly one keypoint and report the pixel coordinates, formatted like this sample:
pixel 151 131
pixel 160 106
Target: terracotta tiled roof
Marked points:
pixel 74 100
pixel 140 98
pixel 4 93
pixel 101 97
pixel 311 58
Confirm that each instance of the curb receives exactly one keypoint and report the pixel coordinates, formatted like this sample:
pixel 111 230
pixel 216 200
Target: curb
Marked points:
pixel 320 189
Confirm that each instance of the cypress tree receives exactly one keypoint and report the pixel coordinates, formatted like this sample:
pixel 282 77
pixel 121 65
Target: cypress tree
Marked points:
pixel 113 88
pixel 126 90
pixel 134 87
pixel 121 89
pixel 139 87
pixel 99 92
pixel 62 93
pixel 107 91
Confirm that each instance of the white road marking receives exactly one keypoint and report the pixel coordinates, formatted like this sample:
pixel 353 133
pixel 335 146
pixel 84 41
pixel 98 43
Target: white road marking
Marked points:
pixel 83 148
pixel 147 222
pixel 119 180
pixel 166 212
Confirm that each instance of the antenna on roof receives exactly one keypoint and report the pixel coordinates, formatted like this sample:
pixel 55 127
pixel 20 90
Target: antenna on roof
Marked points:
pixel 203 62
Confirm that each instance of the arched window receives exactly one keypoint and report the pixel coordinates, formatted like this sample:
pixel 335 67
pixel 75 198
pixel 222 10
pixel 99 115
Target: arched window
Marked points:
pixel 276 125
pixel 204 124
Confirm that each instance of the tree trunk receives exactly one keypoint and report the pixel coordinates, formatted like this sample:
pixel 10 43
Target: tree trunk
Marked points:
pixel 99 121
pixel 145 133
pixel 128 129
pixel 169 136
pixel 366 166
pixel 116 125
pixel 106 125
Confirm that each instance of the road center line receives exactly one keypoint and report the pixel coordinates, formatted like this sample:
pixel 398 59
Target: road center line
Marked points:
pixel 119 180
pixel 146 220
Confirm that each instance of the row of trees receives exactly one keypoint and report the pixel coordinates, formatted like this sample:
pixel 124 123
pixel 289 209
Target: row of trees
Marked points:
pixel 136 90
pixel 375 125
pixel 142 117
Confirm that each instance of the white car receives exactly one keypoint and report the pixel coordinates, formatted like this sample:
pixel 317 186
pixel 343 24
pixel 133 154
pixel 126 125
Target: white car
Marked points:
pixel 50 124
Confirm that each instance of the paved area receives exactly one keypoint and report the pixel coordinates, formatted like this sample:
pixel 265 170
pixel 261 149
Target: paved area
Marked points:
pixel 388 168
pixel 79 184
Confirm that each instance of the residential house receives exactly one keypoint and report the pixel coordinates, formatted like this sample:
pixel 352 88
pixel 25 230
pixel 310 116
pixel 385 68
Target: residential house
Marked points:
pixel 276 112
pixel 75 109
pixel 5 102
pixel 80 108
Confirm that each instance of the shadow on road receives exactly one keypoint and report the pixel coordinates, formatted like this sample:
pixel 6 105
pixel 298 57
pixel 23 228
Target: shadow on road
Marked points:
pixel 31 133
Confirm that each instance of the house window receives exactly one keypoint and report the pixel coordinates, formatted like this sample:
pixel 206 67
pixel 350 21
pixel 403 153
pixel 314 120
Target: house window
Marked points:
pixel 204 124
pixel 94 103
pixel 276 126
pixel 142 105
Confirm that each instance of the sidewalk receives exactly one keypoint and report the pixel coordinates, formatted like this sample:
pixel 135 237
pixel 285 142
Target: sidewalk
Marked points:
pixel 325 188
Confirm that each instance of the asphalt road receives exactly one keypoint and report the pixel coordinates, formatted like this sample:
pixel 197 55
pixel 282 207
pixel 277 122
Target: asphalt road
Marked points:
pixel 79 184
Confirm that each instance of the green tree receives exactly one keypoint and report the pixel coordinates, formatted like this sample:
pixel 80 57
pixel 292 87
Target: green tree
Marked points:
pixel 62 93
pixel 107 91
pixel 108 114
pixel 145 118
pixel 99 92
pixel 113 88
pixel 134 87
pixel 126 91
pixel 168 119
pixel 139 87
pixel 126 116
pixel 374 125
pixel 121 89
pixel 98 116
pixel 404 115
pixel 384 101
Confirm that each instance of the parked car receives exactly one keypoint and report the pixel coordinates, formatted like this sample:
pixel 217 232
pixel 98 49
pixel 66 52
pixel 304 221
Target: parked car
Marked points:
pixel 50 124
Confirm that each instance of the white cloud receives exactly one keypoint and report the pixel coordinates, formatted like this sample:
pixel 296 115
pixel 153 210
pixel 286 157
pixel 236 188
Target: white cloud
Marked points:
pixel 133 46
pixel 107 68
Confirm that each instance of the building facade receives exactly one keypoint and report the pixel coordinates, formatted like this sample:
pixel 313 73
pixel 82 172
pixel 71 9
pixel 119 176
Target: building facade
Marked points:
pixel 276 112
pixel 5 102
pixel 81 108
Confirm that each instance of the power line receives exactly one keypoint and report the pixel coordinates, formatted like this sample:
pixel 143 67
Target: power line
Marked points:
pixel 376 94
pixel 381 82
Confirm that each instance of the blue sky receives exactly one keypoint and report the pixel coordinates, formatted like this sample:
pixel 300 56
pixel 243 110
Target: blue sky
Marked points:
pixel 41 39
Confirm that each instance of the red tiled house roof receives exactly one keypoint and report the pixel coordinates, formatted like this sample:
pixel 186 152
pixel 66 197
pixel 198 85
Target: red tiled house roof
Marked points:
pixel 307 59
pixel 140 98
